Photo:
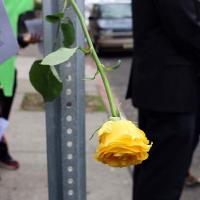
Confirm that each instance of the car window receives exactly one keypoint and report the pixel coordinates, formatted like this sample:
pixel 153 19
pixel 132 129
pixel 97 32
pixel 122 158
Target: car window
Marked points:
pixel 115 10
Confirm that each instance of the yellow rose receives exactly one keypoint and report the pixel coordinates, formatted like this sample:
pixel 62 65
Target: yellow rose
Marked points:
pixel 121 144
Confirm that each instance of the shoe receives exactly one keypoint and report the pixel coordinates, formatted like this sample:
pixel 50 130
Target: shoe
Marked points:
pixel 6 161
pixel 192 181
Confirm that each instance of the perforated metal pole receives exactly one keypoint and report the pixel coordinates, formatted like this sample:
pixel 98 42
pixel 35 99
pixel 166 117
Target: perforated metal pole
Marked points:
pixel 65 118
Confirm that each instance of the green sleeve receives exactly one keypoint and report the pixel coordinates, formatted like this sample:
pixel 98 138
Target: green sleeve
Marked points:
pixel 7 70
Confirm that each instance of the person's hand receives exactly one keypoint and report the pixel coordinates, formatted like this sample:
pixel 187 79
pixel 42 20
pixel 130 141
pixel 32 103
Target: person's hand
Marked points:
pixel 31 38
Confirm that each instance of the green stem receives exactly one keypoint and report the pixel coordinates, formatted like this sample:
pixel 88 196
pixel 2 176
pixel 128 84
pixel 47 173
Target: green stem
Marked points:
pixel 65 5
pixel 114 110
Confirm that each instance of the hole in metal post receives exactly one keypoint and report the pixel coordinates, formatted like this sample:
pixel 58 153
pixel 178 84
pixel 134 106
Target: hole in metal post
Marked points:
pixel 70 169
pixel 69 156
pixel 69 144
pixel 69 118
pixel 69 78
pixel 68 64
pixel 70 192
pixel 69 131
pixel 69 104
pixel 68 91
pixel 70 181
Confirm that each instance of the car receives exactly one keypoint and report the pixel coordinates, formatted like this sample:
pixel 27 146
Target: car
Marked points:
pixel 110 26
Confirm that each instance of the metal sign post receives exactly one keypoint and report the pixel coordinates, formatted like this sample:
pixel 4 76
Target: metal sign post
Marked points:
pixel 65 118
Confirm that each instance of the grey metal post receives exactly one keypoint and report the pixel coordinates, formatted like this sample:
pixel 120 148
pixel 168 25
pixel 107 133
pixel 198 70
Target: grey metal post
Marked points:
pixel 65 119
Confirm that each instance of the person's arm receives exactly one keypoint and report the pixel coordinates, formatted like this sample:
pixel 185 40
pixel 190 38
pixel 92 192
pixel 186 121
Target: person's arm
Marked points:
pixel 21 42
pixel 181 22
pixel 25 39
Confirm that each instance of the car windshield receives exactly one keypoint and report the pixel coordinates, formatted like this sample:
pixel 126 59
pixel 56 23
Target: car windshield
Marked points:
pixel 120 10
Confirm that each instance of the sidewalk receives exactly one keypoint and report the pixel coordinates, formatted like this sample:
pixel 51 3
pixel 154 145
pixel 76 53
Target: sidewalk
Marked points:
pixel 26 136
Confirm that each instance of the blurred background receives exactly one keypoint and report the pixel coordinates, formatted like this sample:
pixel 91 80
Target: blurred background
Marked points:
pixel 110 26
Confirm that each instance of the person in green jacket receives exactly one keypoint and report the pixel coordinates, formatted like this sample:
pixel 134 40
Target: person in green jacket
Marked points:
pixel 8 74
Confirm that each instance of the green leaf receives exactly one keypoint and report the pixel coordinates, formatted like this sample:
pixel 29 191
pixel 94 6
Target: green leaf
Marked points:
pixel 59 56
pixel 45 80
pixel 111 68
pixel 55 17
pixel 68 32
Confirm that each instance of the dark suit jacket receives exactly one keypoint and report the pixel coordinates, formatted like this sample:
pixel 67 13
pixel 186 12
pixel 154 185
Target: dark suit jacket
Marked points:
pixel 166 55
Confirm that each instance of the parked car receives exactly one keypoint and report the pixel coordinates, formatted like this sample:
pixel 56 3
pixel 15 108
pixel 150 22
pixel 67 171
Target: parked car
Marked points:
pixel 110 26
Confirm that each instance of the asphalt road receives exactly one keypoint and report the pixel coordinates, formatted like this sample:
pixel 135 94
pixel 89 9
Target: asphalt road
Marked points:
pixel 119 81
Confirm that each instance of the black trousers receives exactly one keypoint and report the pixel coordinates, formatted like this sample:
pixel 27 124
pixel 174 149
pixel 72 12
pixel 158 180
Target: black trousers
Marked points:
pixel 162 176
pixel 6 102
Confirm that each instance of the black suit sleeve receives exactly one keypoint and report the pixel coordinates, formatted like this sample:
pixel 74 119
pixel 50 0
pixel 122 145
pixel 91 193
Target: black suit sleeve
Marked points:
pixel 181 22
